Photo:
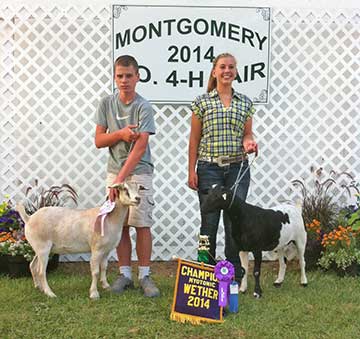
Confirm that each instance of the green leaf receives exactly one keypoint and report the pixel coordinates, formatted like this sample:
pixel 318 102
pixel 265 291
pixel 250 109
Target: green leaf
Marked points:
pixel 354 220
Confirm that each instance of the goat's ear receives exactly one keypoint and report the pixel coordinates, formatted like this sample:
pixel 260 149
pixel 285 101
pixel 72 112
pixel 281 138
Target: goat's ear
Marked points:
pixel 213 185
pixel 143 188
pixel 224 196
pixel 119 185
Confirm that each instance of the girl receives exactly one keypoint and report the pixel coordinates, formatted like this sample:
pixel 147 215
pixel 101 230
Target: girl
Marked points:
pixel 220 139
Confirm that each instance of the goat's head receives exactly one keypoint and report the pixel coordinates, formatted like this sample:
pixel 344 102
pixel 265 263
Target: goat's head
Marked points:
pixel 218 197
pixel 128 193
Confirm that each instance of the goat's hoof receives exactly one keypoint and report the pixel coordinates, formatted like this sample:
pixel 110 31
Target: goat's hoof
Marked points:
pixel 277 284
pixel 51 294
pixel 94 296
pixel 242 292
pixel 304 284
pixel 257 295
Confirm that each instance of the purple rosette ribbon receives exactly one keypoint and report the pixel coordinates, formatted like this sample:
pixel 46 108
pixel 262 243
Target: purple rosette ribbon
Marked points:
pixel 105 209
pixel 224 273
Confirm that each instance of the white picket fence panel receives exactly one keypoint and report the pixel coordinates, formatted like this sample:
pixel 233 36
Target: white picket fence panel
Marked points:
pixel 55 65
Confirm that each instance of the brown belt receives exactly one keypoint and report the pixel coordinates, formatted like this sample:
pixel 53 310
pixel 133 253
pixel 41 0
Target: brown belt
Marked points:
pixel 223 160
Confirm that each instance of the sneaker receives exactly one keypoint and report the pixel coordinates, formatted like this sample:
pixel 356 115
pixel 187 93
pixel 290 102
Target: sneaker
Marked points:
pixel 121 284
pixel 149 287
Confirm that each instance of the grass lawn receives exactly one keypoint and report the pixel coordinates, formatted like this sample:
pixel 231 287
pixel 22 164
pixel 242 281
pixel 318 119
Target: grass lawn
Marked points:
pixel 328 308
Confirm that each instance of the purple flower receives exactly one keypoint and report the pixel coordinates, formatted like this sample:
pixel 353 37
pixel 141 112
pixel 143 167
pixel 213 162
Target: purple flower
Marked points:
pixel 6 220
pixel 12 213
pixel 11 219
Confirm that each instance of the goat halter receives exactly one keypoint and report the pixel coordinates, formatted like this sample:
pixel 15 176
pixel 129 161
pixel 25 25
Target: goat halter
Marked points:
pixel 238 179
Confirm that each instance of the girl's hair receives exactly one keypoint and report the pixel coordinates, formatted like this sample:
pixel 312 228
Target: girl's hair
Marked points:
pixel 212 81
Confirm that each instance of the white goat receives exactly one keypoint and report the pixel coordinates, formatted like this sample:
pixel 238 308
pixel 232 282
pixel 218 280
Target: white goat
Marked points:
pixel 63 230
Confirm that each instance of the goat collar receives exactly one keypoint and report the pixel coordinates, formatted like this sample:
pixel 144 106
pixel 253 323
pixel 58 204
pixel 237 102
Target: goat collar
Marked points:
pixel 107 207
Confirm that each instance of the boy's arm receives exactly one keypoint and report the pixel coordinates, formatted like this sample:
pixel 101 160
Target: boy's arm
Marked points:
pixel 132 160
pixel 104 139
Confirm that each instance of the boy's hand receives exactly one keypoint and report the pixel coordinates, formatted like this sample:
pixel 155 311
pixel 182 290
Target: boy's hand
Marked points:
pixel 113 194
pixel 127 134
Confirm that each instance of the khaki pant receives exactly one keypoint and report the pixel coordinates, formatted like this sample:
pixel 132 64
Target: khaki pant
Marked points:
pixel 141 215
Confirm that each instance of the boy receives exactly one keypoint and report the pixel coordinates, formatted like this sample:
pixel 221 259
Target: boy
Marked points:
pixel 124 122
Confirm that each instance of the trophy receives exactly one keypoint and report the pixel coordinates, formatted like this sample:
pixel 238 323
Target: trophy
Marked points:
pixel 203 249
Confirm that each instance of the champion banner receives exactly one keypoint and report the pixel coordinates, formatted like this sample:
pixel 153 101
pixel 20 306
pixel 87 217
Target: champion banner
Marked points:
pixel 196 294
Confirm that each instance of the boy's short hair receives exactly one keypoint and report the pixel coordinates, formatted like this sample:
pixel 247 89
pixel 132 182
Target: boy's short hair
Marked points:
pixel 126 61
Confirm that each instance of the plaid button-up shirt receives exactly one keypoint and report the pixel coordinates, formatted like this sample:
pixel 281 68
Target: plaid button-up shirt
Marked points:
pixel 222 127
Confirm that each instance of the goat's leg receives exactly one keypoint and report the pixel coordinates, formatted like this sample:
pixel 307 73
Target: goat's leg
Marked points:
pixel 244 259
pixel 95 261
pixel 43 257
pixel 300 244
pixel 257 270
pixel 34 269
pixel 103 268
pixel 282 268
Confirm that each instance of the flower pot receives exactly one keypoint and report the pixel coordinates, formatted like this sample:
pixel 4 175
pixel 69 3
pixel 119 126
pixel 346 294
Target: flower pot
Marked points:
pixel 18 266
pixel 53 263
pixel 4 269
pixel 312 254
pixel 351 271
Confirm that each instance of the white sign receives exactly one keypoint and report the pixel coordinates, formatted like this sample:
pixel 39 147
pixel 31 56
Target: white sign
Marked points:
pixel 175 46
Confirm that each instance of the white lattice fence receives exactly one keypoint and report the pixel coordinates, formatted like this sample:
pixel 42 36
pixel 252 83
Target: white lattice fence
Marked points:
pixel 55 65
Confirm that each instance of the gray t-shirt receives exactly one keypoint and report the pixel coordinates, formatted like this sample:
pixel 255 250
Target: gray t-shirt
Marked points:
pixel 114 115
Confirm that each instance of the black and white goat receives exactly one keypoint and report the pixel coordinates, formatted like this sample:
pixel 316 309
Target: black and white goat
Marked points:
pixel 255 229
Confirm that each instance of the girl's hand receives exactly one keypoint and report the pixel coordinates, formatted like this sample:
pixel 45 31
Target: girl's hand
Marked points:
pixel 250 146
pixel 193 181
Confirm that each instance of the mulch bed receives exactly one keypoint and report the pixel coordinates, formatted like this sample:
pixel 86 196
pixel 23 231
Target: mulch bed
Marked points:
pixel 162 268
